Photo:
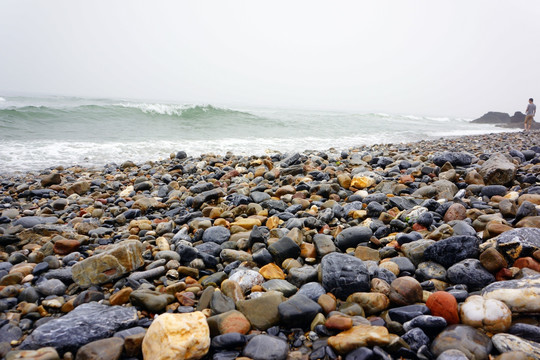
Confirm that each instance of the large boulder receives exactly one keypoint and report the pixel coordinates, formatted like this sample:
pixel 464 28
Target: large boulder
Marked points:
pixel 498 170
pixel 109 265
pixel 493 117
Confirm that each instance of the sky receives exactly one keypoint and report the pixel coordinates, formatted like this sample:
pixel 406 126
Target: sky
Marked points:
pixel 424 57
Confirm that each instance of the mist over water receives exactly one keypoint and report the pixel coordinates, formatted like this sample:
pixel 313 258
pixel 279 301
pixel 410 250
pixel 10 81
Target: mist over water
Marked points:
pixel 37 133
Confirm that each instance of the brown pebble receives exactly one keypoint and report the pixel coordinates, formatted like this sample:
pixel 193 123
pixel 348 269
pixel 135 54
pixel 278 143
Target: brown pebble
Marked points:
pixel 492 260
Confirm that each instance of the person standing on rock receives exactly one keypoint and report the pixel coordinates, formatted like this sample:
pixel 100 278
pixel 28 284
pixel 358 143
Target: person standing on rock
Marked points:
pixel 529 115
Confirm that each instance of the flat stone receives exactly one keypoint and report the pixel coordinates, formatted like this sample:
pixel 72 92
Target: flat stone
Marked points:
pixel 403 314
pixel 153 301
pixel 283 286
pixel 109 265
pixel 86 323
pixel 359 336
pixel 262 312
pixel 520 295
pixel 324 244
pixel 452 354
pixel 492 260
pixel 415 250
pixel 416 338
pixel 351 237
pixel 430 325
pixel 430 270
pixel 229 322
pixel 507 342
pixel 46 353
pixel 302 275
pixel 9 333
pixel 51 287
pixel 104 349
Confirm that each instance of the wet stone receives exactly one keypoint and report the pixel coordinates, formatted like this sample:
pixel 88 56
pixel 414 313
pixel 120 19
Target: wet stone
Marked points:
pixel 473 343
pixel 452 250
pixel 403 314
pixel 87 323
pixel 343 275
pixel 265 347
pixel 298 311
pixel 471 273
pixel 416 338
pixel 312 290
pixel 283 286
pixel 216 234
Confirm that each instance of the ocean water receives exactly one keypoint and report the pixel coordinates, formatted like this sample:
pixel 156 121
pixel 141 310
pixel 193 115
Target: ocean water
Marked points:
pixel 43 132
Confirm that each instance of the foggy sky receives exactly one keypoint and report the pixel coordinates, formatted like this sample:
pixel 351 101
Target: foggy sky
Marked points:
pixel 425 57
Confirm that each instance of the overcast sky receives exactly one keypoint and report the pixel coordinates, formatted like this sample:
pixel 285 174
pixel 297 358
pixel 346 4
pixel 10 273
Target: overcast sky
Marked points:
pixel 426 57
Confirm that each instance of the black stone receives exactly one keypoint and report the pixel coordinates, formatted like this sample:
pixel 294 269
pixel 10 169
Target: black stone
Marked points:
pixel 86 323
pixel 471 273
pixel 298 311
pixel 453 249
pixel 403 314
pixel 351 237
pixel 492 190
pixel 416 338
pixel 343 275
pixel 430 325
pixel 526 331
pixel 262 257
pixel 454 158
pixel 229 341
pixel 283 249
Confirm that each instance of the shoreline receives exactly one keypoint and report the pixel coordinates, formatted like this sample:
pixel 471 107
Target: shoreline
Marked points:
pixel 269 152
pixel 318 253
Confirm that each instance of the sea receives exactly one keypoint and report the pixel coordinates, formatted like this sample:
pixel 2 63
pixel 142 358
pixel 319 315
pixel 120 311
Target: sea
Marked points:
pixel 44 132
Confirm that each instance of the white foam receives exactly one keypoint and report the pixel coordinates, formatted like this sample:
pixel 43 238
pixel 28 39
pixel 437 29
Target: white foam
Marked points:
pixel 156 108
pixel 412 117
pixel 2 99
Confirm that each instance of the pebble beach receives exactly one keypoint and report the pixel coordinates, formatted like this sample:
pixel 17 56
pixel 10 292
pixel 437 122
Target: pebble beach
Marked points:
pixel 421 250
